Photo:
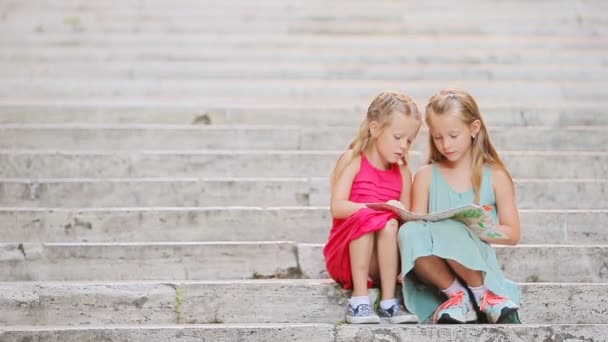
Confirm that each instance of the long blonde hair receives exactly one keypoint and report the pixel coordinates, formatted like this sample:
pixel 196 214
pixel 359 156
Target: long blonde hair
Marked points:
pixel 382 109
pixel 462 105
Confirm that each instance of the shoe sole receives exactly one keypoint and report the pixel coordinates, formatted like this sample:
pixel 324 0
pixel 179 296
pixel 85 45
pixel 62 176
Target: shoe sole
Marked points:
pixel 447 319
pixel 506 313
pixel 399 320
pixel 362 320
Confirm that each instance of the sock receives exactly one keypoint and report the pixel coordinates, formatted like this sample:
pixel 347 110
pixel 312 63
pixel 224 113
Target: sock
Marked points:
pixel 388 303
pixel 356 301
pixel 478 293
pixel 454 289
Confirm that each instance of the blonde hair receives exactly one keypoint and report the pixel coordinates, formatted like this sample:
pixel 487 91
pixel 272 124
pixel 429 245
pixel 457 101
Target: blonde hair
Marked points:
pixel 382 109
pixel 462 105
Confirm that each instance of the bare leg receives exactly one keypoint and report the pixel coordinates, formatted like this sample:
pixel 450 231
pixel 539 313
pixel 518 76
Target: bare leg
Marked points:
pixel 388 258
pixel 374 268
pixel 471 277
pixel 435 271
pixel 360 251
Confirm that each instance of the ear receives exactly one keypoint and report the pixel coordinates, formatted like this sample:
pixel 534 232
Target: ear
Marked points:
pixel 374 128
pixel 475 128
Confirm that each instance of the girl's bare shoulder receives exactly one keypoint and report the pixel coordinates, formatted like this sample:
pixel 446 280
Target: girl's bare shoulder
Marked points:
pixel 424 172
pixel 501 179
pixel 349 161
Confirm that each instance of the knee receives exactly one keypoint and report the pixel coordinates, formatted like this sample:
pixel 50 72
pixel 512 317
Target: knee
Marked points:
pixel 411 231
pixel 390 229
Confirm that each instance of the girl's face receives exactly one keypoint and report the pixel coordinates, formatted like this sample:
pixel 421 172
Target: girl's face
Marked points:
pixel 393 142
pixel 452 136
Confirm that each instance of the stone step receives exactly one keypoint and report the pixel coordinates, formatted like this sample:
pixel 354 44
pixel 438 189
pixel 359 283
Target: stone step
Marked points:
pixel 300 224
pixel 192 192
pixel 308 332
pixel 401 21
pixel 160 6
pixel 326 12
pixel 179 113
pixel 522 263
pixel 153 70
pixel 309 90
pixel 147 261
pixel 266 42
pixel 243 163
pixel 410 23
pixel 242 137
pixel 65 51
pixel 250 301
pixel 250 260
pixel 311 332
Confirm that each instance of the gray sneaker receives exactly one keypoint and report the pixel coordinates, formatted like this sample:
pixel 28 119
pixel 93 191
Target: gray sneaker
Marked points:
pixel 397 314
pixel 458 309
pixel 362 314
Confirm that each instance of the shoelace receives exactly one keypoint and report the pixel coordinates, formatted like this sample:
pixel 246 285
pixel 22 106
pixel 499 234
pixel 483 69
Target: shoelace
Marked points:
pixel 491 299
pixel 452 301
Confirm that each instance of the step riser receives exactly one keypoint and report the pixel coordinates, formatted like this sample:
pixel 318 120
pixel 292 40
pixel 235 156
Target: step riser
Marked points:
pixel 255 164
pixel 301 225
pixel 159 71
pixel 160 8
pixel 273 138
pixel 60 304
pixel 467 333
pixel 255 192
pixel 266 43
pixel 95 53
pixel 315 333
pixel 310 333
pixel 520 264
pixel 271 115
pixel 183 261
pixel 417 16
pixel 300 90
pixel 37 262
pixel 304 27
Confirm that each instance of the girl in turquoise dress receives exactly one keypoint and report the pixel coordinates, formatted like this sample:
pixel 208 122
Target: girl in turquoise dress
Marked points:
pixel 452 275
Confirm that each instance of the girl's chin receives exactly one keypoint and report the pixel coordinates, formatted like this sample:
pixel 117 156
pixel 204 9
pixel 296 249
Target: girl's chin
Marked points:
pixel 394 159
pixel 451 157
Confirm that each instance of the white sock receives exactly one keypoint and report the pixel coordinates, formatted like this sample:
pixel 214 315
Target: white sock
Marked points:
pixel 454 289
pixel 388 303
pixel 478 293
pixel 356 301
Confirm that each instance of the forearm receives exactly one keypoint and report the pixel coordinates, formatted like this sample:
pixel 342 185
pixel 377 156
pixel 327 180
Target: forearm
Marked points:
pixel 343 208
pixel 511 240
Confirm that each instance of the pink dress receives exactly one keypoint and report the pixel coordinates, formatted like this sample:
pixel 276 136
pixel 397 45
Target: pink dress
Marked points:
pixel 369 186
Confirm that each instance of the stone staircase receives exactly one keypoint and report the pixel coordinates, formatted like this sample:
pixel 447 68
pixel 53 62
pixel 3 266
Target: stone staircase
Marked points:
pixel 164 165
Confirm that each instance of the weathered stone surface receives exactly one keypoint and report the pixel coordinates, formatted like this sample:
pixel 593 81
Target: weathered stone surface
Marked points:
pixel 147 261
pixel 201 302
pixel 523 263
pixel 214 163
pixel 299 224
pixel 318 332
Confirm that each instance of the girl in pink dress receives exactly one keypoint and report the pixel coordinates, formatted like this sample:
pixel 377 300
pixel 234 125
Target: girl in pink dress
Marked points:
pixel 362 248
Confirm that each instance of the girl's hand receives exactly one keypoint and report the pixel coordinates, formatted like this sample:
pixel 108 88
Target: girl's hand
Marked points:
pixel 396 203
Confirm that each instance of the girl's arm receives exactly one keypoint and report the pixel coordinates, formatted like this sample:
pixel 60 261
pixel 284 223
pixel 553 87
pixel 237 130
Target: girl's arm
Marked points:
pixel 508 217
pixel 346 170
pixel 406 190
pixel 420 190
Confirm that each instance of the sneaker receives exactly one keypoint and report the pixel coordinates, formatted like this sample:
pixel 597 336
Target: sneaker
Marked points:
pixel 362 314
pixel 457 309
pixel 499 309
pixel 397 314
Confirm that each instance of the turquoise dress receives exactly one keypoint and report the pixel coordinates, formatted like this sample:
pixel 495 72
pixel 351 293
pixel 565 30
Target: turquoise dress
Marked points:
pixel 449 239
